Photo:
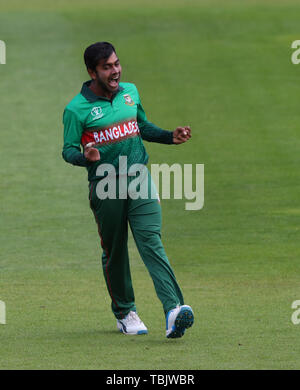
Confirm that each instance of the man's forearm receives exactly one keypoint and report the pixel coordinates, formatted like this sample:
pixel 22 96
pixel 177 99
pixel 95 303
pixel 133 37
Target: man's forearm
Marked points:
pixel 153 133
pixel 75 157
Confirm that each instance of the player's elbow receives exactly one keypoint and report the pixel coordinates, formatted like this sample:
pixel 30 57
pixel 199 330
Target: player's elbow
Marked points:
pixel 67 155
pixel 64 155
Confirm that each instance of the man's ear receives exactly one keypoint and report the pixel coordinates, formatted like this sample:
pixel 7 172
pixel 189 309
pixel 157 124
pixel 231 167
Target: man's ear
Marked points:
pixel 92 73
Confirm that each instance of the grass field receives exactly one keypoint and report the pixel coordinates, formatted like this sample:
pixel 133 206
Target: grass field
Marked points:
pixel 224 67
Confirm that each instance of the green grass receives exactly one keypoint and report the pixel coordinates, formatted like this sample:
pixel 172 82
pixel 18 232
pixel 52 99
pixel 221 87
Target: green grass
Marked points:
pixel 224 68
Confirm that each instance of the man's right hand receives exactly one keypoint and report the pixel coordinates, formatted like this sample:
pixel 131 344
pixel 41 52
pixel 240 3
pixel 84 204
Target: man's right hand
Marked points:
pixel 90 153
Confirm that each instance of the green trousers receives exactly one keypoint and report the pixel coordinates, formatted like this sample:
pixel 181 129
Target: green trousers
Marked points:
pixel 144 218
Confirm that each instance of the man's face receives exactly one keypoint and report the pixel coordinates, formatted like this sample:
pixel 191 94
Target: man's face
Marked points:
pixel 108 73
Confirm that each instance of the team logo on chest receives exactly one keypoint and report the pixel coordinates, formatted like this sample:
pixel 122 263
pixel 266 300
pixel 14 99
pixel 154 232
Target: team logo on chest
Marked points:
pixel 97 113
pixel 128 100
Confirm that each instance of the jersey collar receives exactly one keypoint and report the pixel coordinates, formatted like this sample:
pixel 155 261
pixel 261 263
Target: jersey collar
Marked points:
pixel 91 96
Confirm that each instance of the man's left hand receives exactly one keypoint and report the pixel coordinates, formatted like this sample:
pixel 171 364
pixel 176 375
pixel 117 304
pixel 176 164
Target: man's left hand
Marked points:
pixel 181 134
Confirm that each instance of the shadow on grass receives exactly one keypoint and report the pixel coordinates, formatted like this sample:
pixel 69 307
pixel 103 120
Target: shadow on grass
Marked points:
pixel 151 339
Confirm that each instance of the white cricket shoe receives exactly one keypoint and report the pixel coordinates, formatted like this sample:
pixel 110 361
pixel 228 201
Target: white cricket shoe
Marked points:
pixel 132 324
pixel 178 320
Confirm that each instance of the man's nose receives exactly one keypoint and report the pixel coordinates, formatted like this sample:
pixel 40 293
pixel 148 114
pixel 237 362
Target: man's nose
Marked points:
pixel 115 69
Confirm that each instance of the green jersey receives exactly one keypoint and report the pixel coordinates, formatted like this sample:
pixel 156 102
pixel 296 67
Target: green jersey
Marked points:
pixel 117 126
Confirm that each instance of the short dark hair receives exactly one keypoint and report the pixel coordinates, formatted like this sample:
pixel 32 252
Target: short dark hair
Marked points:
pixel 96 52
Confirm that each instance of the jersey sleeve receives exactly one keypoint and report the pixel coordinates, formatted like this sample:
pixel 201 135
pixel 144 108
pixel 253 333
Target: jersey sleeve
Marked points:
pixel 149 131
pixel 72 138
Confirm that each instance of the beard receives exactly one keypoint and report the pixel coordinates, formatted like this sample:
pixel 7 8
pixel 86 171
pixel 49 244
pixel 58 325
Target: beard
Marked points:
pixel 104 85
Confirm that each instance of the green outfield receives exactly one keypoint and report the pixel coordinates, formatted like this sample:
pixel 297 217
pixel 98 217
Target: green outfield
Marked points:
pixel 224 68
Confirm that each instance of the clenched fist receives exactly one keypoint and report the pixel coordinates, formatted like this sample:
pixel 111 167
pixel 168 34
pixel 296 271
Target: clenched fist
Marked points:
pixel 90 153
pixel 181 134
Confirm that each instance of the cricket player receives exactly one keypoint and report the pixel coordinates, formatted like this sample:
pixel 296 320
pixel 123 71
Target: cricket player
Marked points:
pixel 107 120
